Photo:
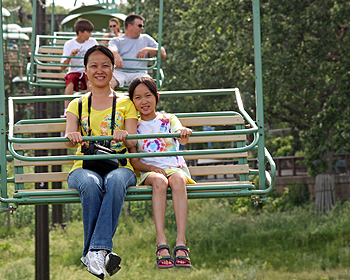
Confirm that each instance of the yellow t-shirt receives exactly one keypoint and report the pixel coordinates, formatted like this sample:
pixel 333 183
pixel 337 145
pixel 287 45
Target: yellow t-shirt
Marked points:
pixel 100 122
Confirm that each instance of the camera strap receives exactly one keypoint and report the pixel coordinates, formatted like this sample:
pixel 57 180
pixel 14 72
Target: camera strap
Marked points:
pixel 80 109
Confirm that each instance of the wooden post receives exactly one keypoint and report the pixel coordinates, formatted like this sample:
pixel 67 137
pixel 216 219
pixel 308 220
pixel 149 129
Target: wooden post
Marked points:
pixel 325 195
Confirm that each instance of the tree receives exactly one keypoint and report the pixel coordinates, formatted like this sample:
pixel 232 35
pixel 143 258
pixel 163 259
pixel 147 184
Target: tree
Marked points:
pixel 305 49
pixel 306 74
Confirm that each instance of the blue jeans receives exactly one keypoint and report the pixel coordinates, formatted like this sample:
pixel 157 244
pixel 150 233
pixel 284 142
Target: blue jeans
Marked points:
pixel 102 201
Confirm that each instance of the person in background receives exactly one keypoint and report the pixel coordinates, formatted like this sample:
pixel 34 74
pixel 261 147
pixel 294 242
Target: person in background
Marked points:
pixel 77 47
pixel 132 44
pixel 162 172
pixel 102 197
pixel 15 59
pixel 114 26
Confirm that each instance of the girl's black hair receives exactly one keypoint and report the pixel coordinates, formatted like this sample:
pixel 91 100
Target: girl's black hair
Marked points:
pixel 148 81
pixel 106 51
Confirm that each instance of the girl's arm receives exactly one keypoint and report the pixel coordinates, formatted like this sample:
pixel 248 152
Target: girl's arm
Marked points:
pixel 130 128
pixel 138 165
pixel 72 131
pixel 184 135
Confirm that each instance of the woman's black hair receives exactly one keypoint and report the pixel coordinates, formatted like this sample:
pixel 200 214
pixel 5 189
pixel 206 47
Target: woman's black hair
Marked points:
pixel 106 51
pixel 148 81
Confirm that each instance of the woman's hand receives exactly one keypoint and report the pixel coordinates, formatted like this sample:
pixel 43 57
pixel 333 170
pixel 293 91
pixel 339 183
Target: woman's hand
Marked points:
pixel 74 137
pixel 119 136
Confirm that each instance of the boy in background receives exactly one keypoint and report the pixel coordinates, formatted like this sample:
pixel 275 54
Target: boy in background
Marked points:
pixel 77 47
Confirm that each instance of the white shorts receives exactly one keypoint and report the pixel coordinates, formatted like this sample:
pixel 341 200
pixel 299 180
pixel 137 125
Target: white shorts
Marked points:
pixel 126 78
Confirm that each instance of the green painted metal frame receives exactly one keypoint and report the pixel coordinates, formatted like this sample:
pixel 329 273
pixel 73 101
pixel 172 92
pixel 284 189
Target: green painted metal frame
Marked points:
pixel 65 196
pixel 60 84
pixel 259 92
pixel 263 155
pixel 3 163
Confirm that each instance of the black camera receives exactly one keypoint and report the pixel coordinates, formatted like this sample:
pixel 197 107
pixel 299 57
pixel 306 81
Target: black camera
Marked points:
pixel 103 148
pixel 91 149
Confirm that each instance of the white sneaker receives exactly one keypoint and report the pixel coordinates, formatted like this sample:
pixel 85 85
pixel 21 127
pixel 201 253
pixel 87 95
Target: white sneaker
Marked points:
pixel 112 263
pixel 95 263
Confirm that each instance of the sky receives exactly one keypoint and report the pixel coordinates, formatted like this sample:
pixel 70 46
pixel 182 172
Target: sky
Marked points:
pixel 68 4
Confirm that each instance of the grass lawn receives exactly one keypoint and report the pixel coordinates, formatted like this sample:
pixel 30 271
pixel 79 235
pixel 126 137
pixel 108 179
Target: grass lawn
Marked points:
pixel 294 244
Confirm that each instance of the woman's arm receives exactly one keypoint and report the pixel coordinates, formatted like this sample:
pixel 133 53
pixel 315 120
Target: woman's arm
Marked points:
pixel 130 128
pixel 72 131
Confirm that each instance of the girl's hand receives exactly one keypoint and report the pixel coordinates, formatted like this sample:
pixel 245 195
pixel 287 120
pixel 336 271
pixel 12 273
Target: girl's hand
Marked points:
pixel 159 170
pixel 74 137
pixel 185 133
pixel 119 136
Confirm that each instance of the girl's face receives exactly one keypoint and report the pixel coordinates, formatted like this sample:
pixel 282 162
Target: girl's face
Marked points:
pixel 145 102
pixel 99 69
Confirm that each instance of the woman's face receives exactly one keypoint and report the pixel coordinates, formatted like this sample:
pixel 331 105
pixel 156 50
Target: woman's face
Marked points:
pixel 99 69
pixel 113 26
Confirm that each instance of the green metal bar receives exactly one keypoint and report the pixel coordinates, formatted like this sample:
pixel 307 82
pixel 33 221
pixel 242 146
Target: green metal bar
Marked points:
pixel 259 93
pixel 130 197
pixel 242 161
pixel 19 170
pixel 246 190
pixel 136 155
pixel 179 115
pixel 160 28
pixel 32 47
pixel 270 178
pixel 190 188
pixel 180 93
pixel 53 17
pixel 3 168
pixel 134 136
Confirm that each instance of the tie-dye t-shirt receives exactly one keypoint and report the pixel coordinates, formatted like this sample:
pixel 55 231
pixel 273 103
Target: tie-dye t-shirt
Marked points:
pixel 101 121
pixel 163 123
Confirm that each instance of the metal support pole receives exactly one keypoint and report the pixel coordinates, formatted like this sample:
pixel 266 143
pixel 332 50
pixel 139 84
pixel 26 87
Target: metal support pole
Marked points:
pixel 3 148
pixel 42 260
pixel 42 249
pixel 259 93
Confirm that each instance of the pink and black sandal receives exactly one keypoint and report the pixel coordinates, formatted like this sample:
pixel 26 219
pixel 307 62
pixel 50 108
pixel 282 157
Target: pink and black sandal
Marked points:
pixel 182 258
pixel 160 258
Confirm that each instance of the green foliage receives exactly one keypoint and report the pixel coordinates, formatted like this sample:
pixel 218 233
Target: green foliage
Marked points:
pixel 296 195
pixel 282 146
pixel 305 64
pixel 306 79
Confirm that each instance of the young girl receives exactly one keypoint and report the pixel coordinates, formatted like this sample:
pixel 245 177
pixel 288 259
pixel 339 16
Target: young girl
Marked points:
pixel 162 172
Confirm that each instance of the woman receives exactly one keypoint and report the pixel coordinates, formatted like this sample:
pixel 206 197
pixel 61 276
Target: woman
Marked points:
pixel 101 197
pixel 114 26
